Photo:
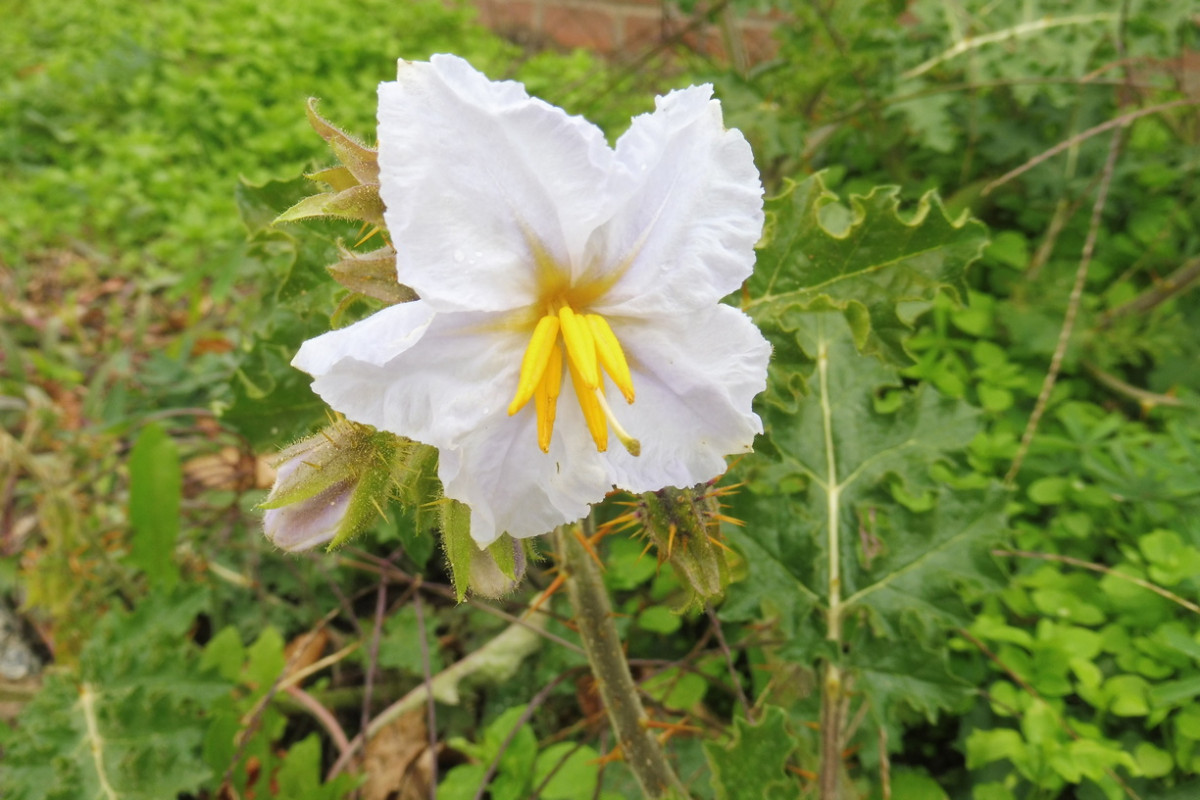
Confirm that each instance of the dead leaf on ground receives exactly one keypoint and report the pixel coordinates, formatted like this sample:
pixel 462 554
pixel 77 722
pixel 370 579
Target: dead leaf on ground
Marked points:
pixel 398 762
pixel 304 650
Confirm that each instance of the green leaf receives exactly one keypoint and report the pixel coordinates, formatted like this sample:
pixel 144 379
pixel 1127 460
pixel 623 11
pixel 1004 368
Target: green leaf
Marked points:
pixel 907 677
pixel 914 784
pixel 299 777
pixel 881 263
pixel 272 401
pixel 820 497
pixel 818 476
pixel 753 765
pixel 399 647
pixel 155 492
pixel 129 720
pixel 575 771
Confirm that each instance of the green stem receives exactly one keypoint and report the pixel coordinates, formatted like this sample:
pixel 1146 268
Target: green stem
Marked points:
pixel 593 615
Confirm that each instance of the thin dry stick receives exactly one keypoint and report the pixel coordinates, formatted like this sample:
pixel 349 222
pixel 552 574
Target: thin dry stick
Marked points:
pixel 445 591
pixel 298 677
pixel 1174 284
pixel 322 714
pixel 1017 31
pixel 373 654
pixel 885 765
pixel 1075 562
pixel 430 706
pixel 562 762
pixel 1064 335
pixel 517 638
pixel 1146 399
pixel 1117 122
pixel 733 676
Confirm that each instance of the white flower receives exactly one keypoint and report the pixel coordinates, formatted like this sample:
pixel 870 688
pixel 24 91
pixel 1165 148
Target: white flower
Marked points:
pixel 538 251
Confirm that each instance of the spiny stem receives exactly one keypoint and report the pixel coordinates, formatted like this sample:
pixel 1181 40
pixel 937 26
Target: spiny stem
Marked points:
pixel 593 615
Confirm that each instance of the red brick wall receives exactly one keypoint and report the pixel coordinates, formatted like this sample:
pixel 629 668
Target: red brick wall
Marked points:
pixel 631 27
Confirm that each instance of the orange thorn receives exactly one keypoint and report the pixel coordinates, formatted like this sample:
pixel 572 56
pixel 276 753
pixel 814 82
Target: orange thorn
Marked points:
pixel 670 539
pixel 803 773
pixel 612 755
pixel 587 545
pixel 554 586
pixel 674 727
pixel 374 231
pixel 646 550
pixel 720 544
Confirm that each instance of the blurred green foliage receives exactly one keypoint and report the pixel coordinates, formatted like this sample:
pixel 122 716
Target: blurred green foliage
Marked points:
pixel 1040 642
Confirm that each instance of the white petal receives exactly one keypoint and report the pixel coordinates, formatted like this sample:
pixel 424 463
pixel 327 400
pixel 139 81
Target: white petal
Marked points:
pixel 512 487
pixel 691 213
pixel 695 377
pixel 473 173
pixel 431 377
pixel 446 380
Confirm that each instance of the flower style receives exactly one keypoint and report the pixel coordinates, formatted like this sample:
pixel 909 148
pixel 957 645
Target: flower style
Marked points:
pixel 540 253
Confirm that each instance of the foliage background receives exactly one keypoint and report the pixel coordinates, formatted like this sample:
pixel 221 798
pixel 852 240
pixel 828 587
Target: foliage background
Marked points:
pixel 1027 633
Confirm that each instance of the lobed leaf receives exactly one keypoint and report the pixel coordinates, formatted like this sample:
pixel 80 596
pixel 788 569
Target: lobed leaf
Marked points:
pixel 878 268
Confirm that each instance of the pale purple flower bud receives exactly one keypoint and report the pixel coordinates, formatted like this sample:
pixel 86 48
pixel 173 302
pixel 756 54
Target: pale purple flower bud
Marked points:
pixel 308 523
pixel 488 578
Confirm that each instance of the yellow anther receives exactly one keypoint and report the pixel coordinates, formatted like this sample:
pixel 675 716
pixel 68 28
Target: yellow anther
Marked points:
pixel 546 398
pixel 611 356
pixel 593 414
pixel 537 356
pixel 581 347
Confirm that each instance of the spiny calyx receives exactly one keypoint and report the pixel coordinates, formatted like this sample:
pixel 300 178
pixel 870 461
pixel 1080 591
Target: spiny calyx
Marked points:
pixel 590 346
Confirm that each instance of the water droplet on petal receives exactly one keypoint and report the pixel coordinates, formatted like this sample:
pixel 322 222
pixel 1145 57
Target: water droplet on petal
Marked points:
pixel 459 255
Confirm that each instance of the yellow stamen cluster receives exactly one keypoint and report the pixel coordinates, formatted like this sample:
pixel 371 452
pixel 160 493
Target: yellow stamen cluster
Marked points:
pixel 590 346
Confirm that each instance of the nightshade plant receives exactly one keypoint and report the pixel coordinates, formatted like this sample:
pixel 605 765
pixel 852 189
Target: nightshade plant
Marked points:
pixel 520 249
pixel 849 639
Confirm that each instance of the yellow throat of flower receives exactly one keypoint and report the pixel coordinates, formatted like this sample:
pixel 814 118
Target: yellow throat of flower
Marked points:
pixel 590 345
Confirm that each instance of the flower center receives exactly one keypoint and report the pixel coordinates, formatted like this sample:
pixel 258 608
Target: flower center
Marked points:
pixel 590 346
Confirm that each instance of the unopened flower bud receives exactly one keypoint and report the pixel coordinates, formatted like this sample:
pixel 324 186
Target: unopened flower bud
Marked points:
pixel 325 487
pixel 684 525
pixel 305 524
pixel 498 570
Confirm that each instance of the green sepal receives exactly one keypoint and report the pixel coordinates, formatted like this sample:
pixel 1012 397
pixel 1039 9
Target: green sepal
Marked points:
pixel 361 202
pixel 372 493
pixel 338 454
pixel 414 473
pixel 457 542
pixel 338 178
pixel 362 161
pixel 372 274
pixel 504 553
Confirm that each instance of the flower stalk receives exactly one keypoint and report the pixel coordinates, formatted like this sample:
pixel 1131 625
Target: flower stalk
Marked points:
pixel 594 618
